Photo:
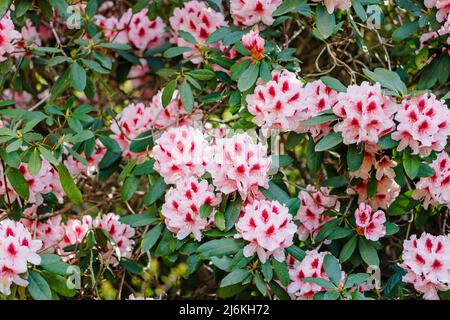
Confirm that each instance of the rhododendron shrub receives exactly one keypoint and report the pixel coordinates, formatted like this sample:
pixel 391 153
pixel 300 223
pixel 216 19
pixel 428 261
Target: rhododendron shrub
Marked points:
pixel 225 149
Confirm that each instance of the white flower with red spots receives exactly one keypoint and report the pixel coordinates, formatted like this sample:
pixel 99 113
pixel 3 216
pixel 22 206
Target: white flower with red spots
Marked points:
pixel 387 191
pixel 277 103
pixel 332 5
pixel 269 228
pixel 423 125
pixel 74 232
pixel 77 167
pixel 384 167
pixel 442 7
pixel 49 230
pixel 310 266
pixel 181 152
pixel 17 249
pixel 370 224
pixel 250 12
pixel 22 98
pixel 29 38
pixel 134 120
pixel 181 209
pixel 174 114
pixel 8 37
pixel 436 189
pixel 367 114
pixel 313 205
pixel 121 234
pixel 196 18
pixel 427 262
pixel 253 42
pixel 139 74
pixel 315 98
pixel 239 164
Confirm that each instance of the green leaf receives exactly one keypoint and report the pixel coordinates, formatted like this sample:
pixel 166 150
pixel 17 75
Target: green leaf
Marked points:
pixel 94 66
pixel 129 188
pixel 205 211
pixel 234 277
pixel 355 279
pixel 187 36
pixel 59 284
pixel 34 163
pixel 281 271
pixel 332 268
pixel 355 157
pixel 132 266
pixel 232 213
pixel 348 249
pixel 142 142
pixel 388 79
pixel 325 22
pixel 187 97
pixel 391 228
pixel 320 119
pixel 219 248
pixel 18 182
pixel 202 74
pixel 329 141
pixel 334 182
pixel 168 91
pixel 287 6
pixel 313 158
pixel 38 287
pixel 402 204
pixel 217 35
pixel 138 220
pixel 326 230
pixel 411 164
pixel 248 77
pixel 425 170
pixel 144 168
pixel 156 191
pixel 78 77
pixel 265 71
pixel 175 51
pixel 386 142
pixel 260 284
pixel 274 192
pixel 368 252
pixel 406 30
pixel 333 83
pixel 68 185
pixel 296 252
pixel 219 220
pixel 61 84
pixel 320 281
pixel 4 7
pixel 151 237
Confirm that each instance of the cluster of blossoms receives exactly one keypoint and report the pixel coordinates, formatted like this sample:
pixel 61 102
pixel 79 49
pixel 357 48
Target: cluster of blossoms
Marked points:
pixel 310 266
pixel 46 181
pixel 254 44
pixel 135 29
pixel 17 249
pixel 182 207
pixel 239 164
pixel 387 191
pixel 269 228
pixel 200 21
pixel 442 7
pixel 251 12
pixel 276 104
pixel 8 37
pixel 284 103
pixel 367 114
pixel 370 224
pixel 181 152
pixel 436 189
pixel 427 263
pixel 49 230
pixel 75 230
pixel 313 205
pixel 423 124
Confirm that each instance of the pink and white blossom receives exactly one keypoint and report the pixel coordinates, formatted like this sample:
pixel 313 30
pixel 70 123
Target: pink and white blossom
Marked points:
pixel 269 228
pixel 8 37
pixel 333 5
pixel 254 43
pixel 251 12
pixel 387 191
pixel 370 224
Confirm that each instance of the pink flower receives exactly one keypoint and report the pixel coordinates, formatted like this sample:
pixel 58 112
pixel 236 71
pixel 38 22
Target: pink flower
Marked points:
pixel 276 104
pixel 313 205
pixel 387 191
pixel 250 12
pixel 254 44
pixel 121 234
pixel 181 209
pixel 139 74
pixel 384 167
pixel 22 98
pixel 144 33
pixel 315 98
pixel 131 122
pixel 424 125
pixel 366 114
pixel 269 228
pixel 332 5
pixel 74 232
pixel 8 35
pixel 200 21
pixel 181 152
pixel 174 114
pixel 310 266
pixel 239 164
pixel 29 38
pixel 369 224
pixel 442 6
pixel 436 189
pixel 17 249
pixel 50 230
pixel 427 262
pixel 77 168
